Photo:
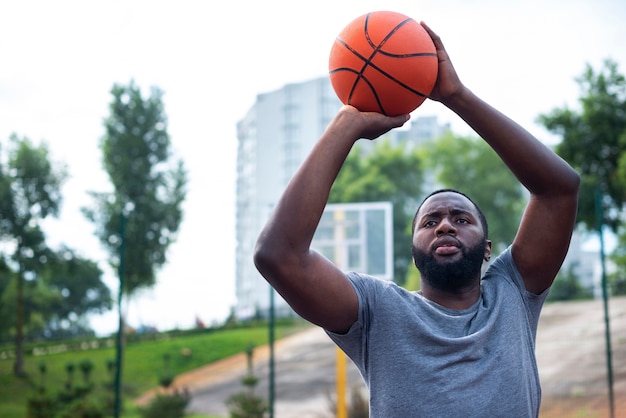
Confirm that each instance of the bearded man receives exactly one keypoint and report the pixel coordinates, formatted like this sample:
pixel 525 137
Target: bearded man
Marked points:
pixel 464 345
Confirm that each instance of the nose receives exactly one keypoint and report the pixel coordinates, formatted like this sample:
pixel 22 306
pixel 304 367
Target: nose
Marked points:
pixel 445 227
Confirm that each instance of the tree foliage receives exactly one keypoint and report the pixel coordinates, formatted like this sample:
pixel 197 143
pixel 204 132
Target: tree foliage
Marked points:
pixel 594 142
pixel 386 173
pixel 469 165
pixel 148 186
pixel 30 191
pixel 40 289
pixel 567 286
pixel 77 284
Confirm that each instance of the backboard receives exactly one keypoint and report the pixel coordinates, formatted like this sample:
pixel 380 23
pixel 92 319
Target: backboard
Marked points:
pixel 358 237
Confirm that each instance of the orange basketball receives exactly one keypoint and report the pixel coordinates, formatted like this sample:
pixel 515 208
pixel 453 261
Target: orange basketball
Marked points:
pixel 383 62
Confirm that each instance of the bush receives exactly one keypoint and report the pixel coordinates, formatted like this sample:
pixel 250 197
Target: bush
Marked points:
pixel 88 407
pixel 40 406
pixel 167 406
pixel 246 405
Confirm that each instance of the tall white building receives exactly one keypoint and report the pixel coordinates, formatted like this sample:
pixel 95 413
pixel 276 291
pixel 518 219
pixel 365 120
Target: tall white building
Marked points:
pixel 273 138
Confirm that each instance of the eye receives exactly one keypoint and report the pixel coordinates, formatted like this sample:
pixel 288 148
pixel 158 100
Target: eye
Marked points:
pixel 463 221
pixel 428 224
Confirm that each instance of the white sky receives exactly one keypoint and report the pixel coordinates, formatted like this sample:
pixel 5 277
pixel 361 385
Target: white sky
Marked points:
pixel 60 60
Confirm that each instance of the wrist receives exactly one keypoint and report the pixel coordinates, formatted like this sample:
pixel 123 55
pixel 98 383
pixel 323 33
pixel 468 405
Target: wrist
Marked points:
pixel 345 125
pixel 462 99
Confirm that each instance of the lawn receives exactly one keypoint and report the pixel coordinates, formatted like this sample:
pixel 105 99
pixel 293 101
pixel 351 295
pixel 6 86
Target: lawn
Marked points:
pixel 145 362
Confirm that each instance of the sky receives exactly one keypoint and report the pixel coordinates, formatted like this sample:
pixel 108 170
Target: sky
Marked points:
pixel 211 59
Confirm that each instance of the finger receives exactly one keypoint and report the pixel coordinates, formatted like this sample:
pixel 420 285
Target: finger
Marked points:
pixel 435 38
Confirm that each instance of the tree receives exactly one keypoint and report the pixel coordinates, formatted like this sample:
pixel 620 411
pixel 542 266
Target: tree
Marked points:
pixel 34 306
pixel 7 301
pixel 138 220
pixel 56 300
pixel 81 291
pixel 469 165
pixel 143 213
pixel 594 142
pixel 567 287
pixel 30 191
pixel 386 173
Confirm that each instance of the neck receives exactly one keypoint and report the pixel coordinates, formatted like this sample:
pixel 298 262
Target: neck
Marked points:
pixel 458 300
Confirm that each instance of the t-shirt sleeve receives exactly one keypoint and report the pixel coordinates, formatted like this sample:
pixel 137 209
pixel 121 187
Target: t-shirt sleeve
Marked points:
pixel 504 267
pixel 353 342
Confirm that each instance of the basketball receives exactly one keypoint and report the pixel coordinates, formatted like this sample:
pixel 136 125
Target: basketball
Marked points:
pixel 383 62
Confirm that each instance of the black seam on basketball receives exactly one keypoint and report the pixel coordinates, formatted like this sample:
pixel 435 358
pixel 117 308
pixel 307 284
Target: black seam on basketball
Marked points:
pixel 386 38
pixel 378 49
pixel 372 89
pixel 367 62
pixel 374 66
pixel 349 101
pixel 416 54
pixel 362 58
pixel 395 80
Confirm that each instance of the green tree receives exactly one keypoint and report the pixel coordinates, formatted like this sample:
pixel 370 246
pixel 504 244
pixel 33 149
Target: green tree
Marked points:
pixel 138 220
pixel 7 301
pixel 35 306
pixel 148 187
pixel 567 287
pixel 594 142
pixel 57 300
pixel 30 191
pixel 469 165
pixel 78 283
pixel 386 173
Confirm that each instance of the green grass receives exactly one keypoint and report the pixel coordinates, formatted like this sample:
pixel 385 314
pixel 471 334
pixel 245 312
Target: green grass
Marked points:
pixel 144 362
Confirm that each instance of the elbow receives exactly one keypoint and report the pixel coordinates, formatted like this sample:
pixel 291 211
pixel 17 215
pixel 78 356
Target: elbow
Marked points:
pixel 275 259
pixel 266 256
pixel 567 182
pixel 262 255
pixel 574 182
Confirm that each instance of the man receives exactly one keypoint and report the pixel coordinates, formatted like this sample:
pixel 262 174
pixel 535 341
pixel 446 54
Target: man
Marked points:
pixel 461 346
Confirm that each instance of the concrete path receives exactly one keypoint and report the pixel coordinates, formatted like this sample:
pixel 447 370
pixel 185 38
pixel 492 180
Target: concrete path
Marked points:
pixel 570 355
pixel 305 371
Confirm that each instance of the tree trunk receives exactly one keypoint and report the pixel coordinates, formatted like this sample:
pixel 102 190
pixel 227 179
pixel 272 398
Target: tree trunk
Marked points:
pixel 18 366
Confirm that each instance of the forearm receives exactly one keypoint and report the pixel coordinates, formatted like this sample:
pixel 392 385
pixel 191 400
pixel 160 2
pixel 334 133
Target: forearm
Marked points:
pixel 295 218
pixel 311 284
pixel 539 169
pixel 291 228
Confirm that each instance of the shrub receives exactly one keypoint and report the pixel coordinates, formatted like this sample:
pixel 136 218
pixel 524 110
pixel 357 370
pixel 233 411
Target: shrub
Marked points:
pixel 167 406
pixel 40 406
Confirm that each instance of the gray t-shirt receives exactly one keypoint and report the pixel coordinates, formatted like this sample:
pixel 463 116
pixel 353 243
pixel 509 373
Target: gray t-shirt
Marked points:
pixel 420 359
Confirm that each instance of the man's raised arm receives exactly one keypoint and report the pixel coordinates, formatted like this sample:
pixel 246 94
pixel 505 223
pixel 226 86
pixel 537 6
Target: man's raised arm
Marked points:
pixel 312 285
pixel 545 231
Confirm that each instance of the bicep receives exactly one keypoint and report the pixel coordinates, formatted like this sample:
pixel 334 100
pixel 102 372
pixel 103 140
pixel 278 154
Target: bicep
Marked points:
pixel 543 239
pixel 318 291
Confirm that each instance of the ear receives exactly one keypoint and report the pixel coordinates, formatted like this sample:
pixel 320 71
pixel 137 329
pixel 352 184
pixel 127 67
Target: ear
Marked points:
pixel 487 256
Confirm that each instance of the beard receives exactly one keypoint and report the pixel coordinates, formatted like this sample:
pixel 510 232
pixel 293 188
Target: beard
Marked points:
pixel 450 276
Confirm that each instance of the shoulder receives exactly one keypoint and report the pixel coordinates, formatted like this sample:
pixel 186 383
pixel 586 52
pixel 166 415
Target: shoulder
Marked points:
pixel 503 277
pixel 372 290
pixel 503 267
pixel 369 283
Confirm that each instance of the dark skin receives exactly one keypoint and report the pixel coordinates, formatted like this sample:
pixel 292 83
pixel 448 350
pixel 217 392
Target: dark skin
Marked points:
pixel 445 224
pixel 321 293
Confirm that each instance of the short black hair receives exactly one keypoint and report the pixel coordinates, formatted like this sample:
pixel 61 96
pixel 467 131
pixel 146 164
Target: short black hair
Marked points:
pixel 481 215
